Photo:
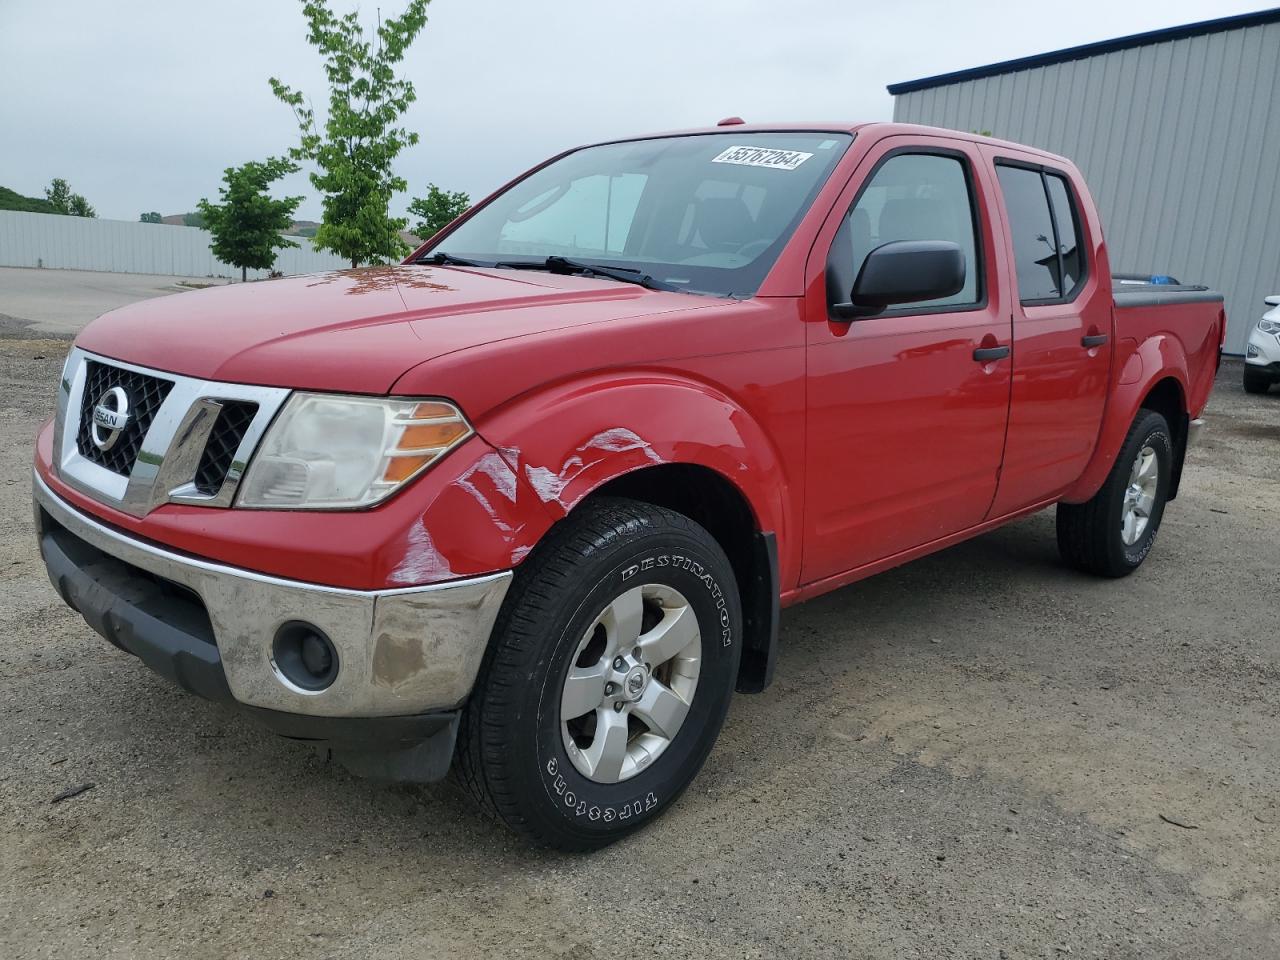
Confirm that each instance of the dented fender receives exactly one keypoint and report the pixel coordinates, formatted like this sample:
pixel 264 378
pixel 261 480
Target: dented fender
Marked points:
pixel 565 442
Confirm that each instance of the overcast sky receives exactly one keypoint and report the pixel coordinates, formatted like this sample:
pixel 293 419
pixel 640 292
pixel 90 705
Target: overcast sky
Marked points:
pixel 140 104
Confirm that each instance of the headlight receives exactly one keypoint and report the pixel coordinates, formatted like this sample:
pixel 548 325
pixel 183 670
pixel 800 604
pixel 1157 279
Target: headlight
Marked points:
pixel 326 452
pixel 1269 326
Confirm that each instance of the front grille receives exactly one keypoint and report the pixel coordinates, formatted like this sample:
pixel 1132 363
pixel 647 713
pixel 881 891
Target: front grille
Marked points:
pixel 193 452
pixel 224 440
pixel 146 394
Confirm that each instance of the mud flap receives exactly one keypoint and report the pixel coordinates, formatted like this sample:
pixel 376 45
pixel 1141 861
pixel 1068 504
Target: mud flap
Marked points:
pixel 760 617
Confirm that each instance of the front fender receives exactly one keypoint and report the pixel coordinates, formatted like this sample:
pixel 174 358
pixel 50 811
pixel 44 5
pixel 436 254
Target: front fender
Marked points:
pixel 1140 367
pixel 567 441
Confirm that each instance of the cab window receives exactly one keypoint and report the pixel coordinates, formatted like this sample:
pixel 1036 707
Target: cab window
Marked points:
pixel 912 196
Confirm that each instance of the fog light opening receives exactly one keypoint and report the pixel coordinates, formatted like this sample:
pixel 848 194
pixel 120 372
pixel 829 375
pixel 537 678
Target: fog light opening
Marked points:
pixel 304 657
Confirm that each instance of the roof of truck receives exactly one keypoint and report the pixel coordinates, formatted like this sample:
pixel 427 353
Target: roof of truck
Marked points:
pixel 881 127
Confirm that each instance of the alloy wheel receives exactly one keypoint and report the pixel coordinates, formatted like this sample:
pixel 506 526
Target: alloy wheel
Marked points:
pixel 1139 496
pixel 632 681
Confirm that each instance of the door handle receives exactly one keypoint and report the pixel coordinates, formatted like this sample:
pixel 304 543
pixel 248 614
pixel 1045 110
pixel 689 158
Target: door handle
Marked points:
pixel 1093 340
pixel 987 354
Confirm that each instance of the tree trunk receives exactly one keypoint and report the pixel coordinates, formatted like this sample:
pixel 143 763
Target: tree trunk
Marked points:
pixel 244 274
pixel 354 263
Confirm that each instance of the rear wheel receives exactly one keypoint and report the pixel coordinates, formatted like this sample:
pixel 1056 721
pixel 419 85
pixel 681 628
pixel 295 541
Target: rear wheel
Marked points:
pixel 1112 534
pixel 608 677
pixel 1256 381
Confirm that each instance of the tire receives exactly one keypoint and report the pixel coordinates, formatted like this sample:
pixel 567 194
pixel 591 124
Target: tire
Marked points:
pixel 1256 381
pixel 613 571
pixel 1094 536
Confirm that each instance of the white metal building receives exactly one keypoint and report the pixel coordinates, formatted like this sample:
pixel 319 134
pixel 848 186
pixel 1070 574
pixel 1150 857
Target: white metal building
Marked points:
pixel 1177 132
pixel 122 246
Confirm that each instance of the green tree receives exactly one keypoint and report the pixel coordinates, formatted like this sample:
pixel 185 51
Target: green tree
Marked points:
pixel 437 209
pixel 362 135
pixel 246 226
pixel 64 201
pixel 193 219
pixel 152 217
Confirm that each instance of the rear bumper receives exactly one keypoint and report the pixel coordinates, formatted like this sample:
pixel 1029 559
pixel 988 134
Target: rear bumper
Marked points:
pixel 406 658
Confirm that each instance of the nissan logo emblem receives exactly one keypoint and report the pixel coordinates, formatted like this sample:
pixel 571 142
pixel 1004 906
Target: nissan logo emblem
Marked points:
pixel 110 417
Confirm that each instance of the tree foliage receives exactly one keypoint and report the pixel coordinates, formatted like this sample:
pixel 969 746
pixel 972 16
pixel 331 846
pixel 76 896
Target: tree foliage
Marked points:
pixel 246 226
pixel 64 201
pixel 362 135
pixel 437 209
pixel 152 217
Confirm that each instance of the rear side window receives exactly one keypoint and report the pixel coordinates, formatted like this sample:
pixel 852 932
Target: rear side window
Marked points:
pixel 913 196
pixel 1046 246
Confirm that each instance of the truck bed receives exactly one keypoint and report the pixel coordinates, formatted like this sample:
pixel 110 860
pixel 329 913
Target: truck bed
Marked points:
pixel 1132 294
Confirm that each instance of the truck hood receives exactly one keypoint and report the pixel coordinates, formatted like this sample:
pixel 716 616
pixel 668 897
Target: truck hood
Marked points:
pixel 357 330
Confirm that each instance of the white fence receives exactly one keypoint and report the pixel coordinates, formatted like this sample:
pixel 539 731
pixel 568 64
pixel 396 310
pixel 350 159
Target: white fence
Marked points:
pixel 118 246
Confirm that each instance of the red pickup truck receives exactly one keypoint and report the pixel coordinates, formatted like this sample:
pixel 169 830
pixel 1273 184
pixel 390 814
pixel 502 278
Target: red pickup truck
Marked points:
pixel 529 503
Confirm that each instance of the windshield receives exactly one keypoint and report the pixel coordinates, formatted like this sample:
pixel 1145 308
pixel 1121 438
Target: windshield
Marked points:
pixel 705 213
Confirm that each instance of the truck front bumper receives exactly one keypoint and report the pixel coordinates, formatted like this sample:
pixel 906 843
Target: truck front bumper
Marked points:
pixel 406 658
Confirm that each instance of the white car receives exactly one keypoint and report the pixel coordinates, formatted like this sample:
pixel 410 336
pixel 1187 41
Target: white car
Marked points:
pixel 1262 355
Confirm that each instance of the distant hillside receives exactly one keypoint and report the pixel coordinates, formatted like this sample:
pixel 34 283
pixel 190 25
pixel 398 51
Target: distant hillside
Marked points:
pixel 193 219
pixel 299 228
pixel 12 200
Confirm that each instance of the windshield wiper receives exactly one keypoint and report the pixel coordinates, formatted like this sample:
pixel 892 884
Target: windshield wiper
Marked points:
pixel 556 264
pixel 448 259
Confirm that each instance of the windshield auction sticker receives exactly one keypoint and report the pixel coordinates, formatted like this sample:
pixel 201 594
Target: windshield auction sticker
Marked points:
pixel 763 157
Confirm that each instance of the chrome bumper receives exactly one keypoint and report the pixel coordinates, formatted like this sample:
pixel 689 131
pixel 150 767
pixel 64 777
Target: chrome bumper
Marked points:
pixel 400 652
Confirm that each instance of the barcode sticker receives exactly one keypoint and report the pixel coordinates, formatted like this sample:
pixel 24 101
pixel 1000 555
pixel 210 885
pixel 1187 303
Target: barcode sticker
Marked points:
pixel 763 157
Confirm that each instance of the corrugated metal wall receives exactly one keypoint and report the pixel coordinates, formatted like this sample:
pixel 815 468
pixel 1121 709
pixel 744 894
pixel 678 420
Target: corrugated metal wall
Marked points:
pixel 119 246
pixel 1180 143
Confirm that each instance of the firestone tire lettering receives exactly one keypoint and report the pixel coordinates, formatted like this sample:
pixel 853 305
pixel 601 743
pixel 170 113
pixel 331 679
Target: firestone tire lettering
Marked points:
pixel 593 813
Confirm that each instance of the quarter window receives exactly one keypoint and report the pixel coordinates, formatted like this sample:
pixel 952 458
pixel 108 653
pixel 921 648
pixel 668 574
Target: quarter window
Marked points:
pixel 1046 244
pixel 1064 218
pixel 913 196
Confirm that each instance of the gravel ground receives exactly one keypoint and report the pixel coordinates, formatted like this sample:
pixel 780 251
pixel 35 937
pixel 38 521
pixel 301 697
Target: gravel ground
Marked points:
pixel 981 754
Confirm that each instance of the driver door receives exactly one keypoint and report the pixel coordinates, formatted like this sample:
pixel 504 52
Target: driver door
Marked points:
pixel 906 409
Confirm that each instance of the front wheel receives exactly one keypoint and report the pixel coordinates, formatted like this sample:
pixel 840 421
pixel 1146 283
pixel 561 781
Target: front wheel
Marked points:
pixel 1256 381
pixel 608 676
pixel 1112 534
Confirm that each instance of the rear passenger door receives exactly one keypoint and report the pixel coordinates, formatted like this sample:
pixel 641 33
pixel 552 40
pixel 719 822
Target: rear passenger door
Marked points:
pixel 906 408
pixel 1061 333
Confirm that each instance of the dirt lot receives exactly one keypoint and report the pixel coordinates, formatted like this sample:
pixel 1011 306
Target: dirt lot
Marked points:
pixel 979 755
pixel 59 303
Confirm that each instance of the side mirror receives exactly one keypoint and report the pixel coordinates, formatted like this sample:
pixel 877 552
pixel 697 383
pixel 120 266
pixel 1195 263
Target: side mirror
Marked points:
pixel 904 271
